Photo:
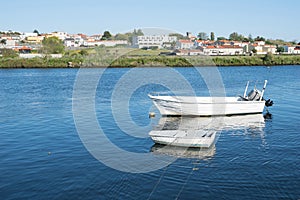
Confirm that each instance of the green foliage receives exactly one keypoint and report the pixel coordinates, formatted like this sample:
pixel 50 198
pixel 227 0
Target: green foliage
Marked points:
pixel 268 59
pixel 52 45
pixel 212 36
pixel 178 35
pixel 221 38
pixel 3 42
pixel 202 36
pixel 106 36
pixel 83 52
pixel 280 49
pixel 269 42
pixel 236 37
pixel 254 51
pixel 258 38
pixel 36 31
pixel 39 62
pixel 138 32
pixel 120 36
pixel 9 53
pixel 250 38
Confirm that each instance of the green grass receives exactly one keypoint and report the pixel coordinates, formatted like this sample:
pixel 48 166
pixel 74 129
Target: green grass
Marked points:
pixel 128 57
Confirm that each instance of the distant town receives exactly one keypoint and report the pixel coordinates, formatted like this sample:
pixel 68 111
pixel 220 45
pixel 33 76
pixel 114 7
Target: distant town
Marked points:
pixel 29 45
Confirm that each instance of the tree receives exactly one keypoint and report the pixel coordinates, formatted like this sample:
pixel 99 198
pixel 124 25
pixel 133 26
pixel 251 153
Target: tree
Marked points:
pixel 268 59
pixel 135 32
pixel 202 36
pixel 268 42
pixel 280 49
pixel 221 38
pixel 236 37
pixel 121 36
pixel 250 38
pixel 258 38
pixel 138 32
pixel 36 31
pixel 106 35
pixel 212 36
pixel 83 52
pixel 246 40
pixel 52 45
pixel 178 35
pixel 3 42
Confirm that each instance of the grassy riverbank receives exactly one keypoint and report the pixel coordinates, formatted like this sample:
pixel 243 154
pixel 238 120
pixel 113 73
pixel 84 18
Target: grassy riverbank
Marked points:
pixel 106 58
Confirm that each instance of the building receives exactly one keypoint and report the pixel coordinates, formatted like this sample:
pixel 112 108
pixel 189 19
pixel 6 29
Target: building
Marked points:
pixel 188 52
pixel 61 35
pixel 269 49
pixel 258 48
pixel 262 49
pixel 70 42
pixel 222 50
pixel 150 41
pixel 107 43
pixel 35 39
pixel 259 43
pixel 23 36
pixel 296 50
pixel 200 43
pixel 288 49
pixel 185 44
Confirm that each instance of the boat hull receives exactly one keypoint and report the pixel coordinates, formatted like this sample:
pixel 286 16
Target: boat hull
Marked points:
pixel 205 106
pixel 184 138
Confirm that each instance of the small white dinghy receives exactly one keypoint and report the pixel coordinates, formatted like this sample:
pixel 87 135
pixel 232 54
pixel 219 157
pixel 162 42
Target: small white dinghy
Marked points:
pixel 252 103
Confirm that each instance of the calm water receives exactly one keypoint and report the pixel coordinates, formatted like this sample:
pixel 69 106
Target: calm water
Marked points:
pixel 42 156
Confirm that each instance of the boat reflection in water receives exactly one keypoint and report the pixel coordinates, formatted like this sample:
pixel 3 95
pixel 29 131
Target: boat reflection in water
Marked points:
pixel 197 136
pixel 183 152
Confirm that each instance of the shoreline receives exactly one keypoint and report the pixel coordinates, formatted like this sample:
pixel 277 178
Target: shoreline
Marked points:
pixel 149 61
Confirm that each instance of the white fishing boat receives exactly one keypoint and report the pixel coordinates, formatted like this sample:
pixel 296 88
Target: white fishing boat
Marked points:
pixel 211 106
pixel 201 132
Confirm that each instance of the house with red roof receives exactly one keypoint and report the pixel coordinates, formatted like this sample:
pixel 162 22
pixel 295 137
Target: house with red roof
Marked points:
pixel 185 44
pixel 222 50
pixel 296 50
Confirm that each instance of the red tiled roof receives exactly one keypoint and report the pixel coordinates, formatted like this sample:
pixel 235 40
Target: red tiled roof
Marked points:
pixel 185 41
pixel 225 47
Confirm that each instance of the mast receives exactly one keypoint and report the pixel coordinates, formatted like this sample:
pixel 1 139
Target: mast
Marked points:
pixel 263 90
pixel 246 89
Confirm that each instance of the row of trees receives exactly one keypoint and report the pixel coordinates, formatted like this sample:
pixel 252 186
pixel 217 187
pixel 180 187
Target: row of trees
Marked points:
pixel 238 37
pixel 233 36
pixel 120 36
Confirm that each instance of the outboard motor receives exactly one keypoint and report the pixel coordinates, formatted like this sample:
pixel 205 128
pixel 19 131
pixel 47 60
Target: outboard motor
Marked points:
pixel 254 95
pixel 269 103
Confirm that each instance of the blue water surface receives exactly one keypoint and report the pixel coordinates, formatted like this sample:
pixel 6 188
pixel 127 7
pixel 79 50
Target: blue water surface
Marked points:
pixel 42 155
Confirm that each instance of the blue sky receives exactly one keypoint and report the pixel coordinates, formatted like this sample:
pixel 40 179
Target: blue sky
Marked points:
pixel 272 19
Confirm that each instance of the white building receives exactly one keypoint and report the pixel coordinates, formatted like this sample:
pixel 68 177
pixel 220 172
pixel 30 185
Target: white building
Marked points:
pixel 188 52
pixel 107 43
pixel 260 43
pixel 149 41
pixel 222 50
pixel 185 44
pixel 288 49
pixel 61 35
pixel 269 48
pixel 263 49
pixel 70 42
pixel 23 36
pixel 296 50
